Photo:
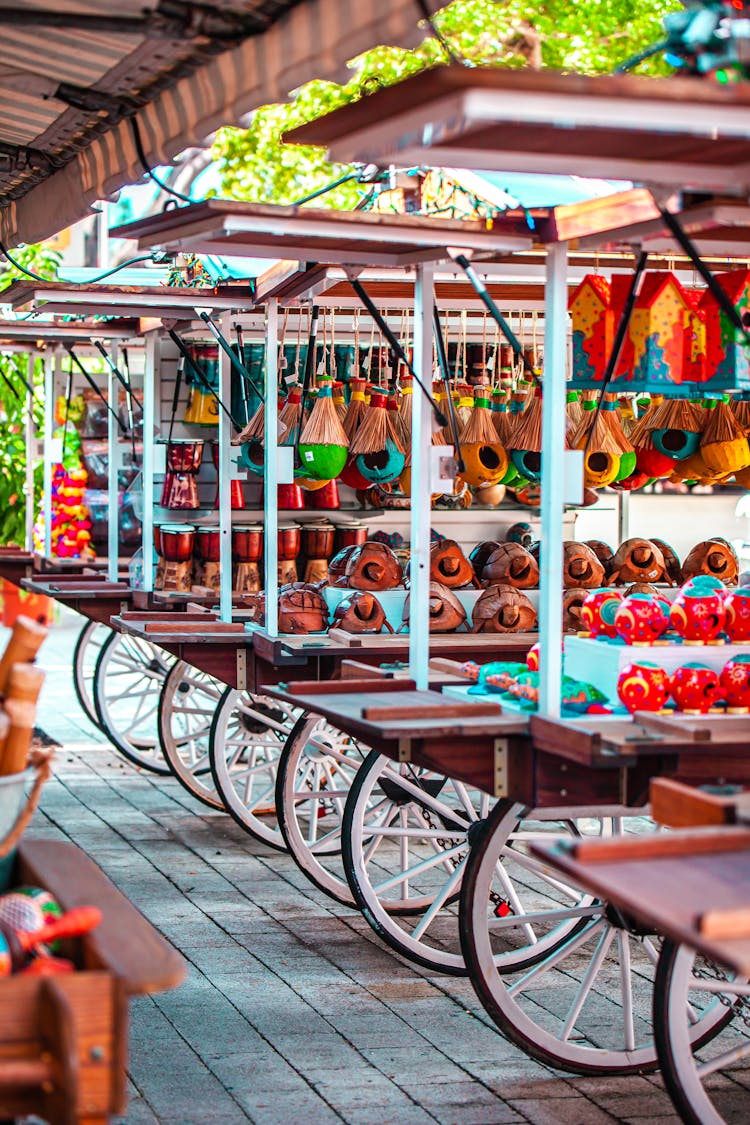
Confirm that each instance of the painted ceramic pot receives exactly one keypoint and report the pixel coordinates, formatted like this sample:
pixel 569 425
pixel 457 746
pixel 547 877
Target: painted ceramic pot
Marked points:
pixel 520 533
pixel 643 686
pixel 640 619
pixel 698 613
pixel 704 582
pixel 695 688
pixel 598 612
pixel 532 658
pixel 737 608
pixel 735 683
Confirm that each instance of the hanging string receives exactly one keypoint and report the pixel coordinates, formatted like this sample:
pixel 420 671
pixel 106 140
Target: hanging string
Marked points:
pixel 298 349
pixel 281 358
pixel 333 367
pixel 368 368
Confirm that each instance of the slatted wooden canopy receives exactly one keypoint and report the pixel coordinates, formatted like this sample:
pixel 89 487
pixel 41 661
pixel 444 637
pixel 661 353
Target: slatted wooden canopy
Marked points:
pixel 59 297
pixel 686 131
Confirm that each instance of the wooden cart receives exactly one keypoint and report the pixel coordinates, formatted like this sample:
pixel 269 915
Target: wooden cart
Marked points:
pixel 64 1039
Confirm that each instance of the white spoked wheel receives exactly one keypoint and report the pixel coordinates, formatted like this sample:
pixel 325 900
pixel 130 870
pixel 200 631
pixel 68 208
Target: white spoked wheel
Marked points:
pixel 187 707
pixel 129 676
pixel 406 838
pixel 247 736
pixel 709 1084
pixel 563 975
pixel 316 770
pixel 85 655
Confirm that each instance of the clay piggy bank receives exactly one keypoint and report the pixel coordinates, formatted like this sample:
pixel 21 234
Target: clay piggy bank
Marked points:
pixel 698 613
pixel 598 613
pixel 737 608
pixel 735 683
pixel 643 686
pixel 640 619
pixel 695 688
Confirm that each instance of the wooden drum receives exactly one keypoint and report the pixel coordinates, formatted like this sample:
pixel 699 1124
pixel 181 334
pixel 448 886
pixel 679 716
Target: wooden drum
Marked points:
pixel 180 488
pixel 317 546
pixel 208 552
pixel 290 542
pixel 247 552
pixel 177 543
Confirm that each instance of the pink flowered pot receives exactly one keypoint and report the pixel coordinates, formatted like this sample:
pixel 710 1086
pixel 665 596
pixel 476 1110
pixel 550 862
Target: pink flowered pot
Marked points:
pixel 735 683
pixel 643 686
pixel 598 612
pixel 640 619
pixel 698 614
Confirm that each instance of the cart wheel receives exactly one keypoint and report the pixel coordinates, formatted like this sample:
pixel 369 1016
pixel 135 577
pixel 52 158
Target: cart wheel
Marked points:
pixel 187 705
pixel 247 736
pixel 315 773
pixel 708 1083
pixel 85 655
pixel 128 680
pixel 405 843
pixel 564 976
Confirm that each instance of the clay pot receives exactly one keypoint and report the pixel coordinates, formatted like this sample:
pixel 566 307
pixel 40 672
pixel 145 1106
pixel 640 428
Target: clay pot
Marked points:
pixel 642 686
pixel 735 683
pixel 638 560
pixel 513 565
pixel 640 619
pixel 695 688
pixel 598 613
pixel 302 609
pixel 671 561
pixel 449 565
pixel 520 533
pixel 481 553
pixel 360 612
pixel 641 588
pixel 604 553
pixel 698 614
pixel 715 557
pixel 581 567
pixel 373 566
pixel 572 604
pixel 737 608
pixel 503 609
pixel 446 612
pixel 337 565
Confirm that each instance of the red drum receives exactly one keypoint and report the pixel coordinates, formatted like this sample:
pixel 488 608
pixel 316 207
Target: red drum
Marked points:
pixel 157 539
pixel 184 455
pixel 290 497
pixel 325 498
pixel 318 540
pixel 208 544
pixel 247 543
pixel 289 541
pixel 350 535
pixel 177 541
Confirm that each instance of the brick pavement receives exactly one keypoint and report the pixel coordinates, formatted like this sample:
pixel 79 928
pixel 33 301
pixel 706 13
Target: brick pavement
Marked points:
pixel 292 1011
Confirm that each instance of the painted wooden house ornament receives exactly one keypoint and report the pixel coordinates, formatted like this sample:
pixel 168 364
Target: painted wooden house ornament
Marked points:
pixel 593 330
pixel 727 356
pixel 654 354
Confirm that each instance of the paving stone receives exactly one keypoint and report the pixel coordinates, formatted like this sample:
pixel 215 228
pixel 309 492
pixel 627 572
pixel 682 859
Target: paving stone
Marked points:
pixel 561 1111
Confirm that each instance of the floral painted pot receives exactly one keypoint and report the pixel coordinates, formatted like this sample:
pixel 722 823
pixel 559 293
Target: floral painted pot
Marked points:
pixel 640 619
pixel 532 658
pixel 695 688
pixel 735 683
pixel 737 608
pixel 598 612
pixel 643 686
pixel 698 613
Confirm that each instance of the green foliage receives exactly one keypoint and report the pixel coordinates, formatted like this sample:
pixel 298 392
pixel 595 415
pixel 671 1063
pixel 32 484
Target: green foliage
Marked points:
pixel 588 36
pixel 13 450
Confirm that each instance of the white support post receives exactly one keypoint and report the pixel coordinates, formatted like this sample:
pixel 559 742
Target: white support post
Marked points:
pixel 150 384
pixel 421 426
pixel 271 470
pixel 113 465
pixel 553 455
pixel 52 365
pixel 31 451
pixel 225 486
pixel 623 516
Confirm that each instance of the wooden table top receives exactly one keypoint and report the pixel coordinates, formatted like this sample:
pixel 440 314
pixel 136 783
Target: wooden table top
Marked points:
pixel 691 886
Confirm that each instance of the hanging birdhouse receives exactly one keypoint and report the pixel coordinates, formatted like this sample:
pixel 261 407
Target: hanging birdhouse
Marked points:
pixel 526 440
pixel 376 452
pixel 601 461
pixel 323 443
pixel 485 459
pixel 724 446
pixel 676 427
pixel 727 365
pixel 593 330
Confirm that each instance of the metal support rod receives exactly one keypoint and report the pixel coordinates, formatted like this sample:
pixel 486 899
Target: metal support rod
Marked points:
pixel 271 470
pixel 31 442
pixel 421 426
pixel 52 367
pixel 482 292
pixel 28 384
pixel 442 358
pixel 226 347
pixel 623 516
pixel 124 383
pixel 92 383
pixel 225 492
pixel 149 434
pixel 553 461
pixel 395 345
pixel 113 465
pixel 194 367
